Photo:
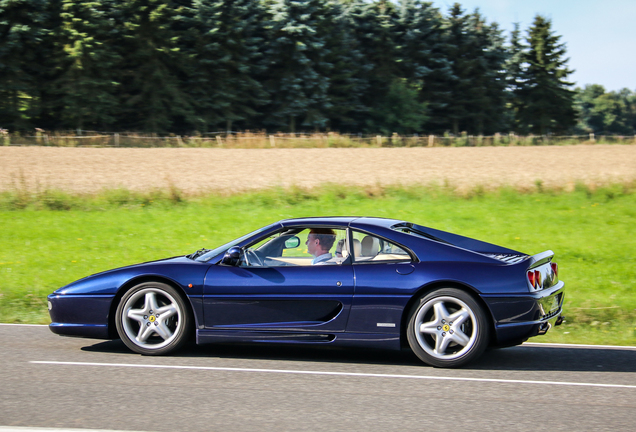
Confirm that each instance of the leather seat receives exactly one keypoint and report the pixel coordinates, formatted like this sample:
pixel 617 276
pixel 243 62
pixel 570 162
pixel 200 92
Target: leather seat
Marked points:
pixel 370 246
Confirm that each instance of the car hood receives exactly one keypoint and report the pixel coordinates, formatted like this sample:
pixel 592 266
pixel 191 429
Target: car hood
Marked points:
pixel 109 281
pixel 147 264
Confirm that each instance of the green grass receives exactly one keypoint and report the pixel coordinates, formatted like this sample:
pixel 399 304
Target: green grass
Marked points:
pixel 50 239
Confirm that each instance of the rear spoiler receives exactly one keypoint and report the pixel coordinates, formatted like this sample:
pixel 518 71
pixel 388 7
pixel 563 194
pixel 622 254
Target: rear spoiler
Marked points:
pixel 540 258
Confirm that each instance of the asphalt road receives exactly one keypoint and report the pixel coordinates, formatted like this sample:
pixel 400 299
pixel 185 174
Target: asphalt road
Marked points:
pixel 52 381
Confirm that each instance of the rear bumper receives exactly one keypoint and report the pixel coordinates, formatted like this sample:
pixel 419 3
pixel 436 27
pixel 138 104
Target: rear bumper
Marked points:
pixel 521 317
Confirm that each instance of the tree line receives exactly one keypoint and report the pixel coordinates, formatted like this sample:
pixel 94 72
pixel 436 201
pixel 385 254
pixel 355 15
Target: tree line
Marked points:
pixel 289 65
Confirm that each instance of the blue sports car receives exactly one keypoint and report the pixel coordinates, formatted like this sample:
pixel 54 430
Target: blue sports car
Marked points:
pixel 358 281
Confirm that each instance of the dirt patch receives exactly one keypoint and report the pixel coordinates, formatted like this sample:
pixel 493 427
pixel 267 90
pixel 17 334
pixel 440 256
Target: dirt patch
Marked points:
pixel 199 170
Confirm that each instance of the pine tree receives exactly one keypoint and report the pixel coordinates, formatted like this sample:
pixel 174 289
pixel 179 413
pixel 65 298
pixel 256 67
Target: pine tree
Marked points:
pixel 459 55
pixel 348 71
pixel 154 66
pixel 374 26
pixel 514 78
pixel 399 110
pixel 487 93
pixel 297 74
pixel 22 25
pixel 546 102
pixel 88 84
pixel 423 60
pixel 227 53
pixel 477 85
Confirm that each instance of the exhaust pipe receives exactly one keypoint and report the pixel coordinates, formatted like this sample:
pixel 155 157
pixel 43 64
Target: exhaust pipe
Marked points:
pixel 543 328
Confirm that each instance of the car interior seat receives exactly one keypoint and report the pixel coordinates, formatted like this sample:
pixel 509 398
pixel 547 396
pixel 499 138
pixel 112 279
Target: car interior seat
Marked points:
pixel 370 246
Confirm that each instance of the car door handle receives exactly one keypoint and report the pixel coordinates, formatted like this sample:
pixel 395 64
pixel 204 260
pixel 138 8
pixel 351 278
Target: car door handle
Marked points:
pixel 404 269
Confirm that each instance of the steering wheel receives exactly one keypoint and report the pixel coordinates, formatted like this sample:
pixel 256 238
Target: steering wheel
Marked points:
pixel 252 258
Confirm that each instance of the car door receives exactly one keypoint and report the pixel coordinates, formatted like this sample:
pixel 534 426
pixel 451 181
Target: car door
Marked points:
pixel 385 281
pixel 282 292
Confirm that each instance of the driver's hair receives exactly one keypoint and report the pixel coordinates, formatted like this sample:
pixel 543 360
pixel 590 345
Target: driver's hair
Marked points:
pixel 325 236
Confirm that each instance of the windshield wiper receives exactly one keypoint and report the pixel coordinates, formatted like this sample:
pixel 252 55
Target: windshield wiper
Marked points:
pixel 198 253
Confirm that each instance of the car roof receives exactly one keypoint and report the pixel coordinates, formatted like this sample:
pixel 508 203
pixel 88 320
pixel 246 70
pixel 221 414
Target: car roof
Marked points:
pixel 353 221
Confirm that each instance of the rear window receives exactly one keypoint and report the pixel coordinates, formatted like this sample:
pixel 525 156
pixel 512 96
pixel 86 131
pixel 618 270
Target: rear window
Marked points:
pixel 408 228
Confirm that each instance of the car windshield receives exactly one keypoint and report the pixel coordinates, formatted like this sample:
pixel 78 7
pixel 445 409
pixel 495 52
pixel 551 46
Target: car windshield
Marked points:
pixel 214 252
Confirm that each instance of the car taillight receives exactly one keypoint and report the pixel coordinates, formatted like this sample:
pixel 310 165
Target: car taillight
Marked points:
pixel 555 269
pixel 534 277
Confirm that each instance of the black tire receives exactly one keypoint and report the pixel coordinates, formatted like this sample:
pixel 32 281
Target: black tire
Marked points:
pixel 447 328
pixel 153 319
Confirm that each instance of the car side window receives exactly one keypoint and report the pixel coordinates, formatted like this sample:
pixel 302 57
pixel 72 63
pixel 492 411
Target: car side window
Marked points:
pixel 298 247
pixel 369 248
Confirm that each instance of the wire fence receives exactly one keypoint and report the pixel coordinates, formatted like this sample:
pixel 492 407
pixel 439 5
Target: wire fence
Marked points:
pixel 290 140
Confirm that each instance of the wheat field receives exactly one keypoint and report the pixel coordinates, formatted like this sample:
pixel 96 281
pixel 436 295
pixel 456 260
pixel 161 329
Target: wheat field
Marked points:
pixel 199 170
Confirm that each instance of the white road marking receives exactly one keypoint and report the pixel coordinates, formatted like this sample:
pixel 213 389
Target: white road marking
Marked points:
pixel 562 345
pixel 23 325
pixel 350 374
pixel 48 429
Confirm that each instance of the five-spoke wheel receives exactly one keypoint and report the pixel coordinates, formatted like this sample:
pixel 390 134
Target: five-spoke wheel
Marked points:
pixel 153 319
pixel 447 328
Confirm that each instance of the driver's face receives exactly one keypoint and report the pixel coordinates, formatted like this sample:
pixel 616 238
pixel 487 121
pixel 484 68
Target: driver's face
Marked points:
pixel 312 244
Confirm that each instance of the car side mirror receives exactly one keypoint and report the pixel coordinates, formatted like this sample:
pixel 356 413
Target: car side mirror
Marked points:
pixel 232 256
pixel 292 242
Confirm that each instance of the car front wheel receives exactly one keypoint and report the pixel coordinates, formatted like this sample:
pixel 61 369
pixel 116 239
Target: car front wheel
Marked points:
pixel 153 319
pixel 447 328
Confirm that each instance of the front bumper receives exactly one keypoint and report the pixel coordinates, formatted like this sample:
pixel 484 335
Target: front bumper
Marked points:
pixel 80 315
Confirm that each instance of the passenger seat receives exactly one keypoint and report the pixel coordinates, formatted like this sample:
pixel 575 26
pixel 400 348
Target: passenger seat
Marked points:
pixel 370 246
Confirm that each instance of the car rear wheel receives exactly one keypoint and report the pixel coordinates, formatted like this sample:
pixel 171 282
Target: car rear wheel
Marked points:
pixel 153 319
pixel 447 328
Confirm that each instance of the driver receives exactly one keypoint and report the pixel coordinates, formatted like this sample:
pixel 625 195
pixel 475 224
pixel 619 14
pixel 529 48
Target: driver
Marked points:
pixel 319 243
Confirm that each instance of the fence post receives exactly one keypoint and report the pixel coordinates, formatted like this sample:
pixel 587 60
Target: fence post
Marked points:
pixel 179 141
pixel 219 141
pixel 378 140
pixel 272 141
pixel 592 138
pixel 116 139
pixel 431 140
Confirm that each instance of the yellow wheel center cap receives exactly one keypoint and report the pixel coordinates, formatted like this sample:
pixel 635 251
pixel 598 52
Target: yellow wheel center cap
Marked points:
pixel 152 318
pixel 446 327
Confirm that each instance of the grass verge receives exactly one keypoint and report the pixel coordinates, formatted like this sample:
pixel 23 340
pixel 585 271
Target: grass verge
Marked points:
pixel 52 238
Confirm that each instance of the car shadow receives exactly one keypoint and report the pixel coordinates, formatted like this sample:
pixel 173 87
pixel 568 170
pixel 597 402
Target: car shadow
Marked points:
pixel 273 351
pixel 551 358
pixel 520 358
